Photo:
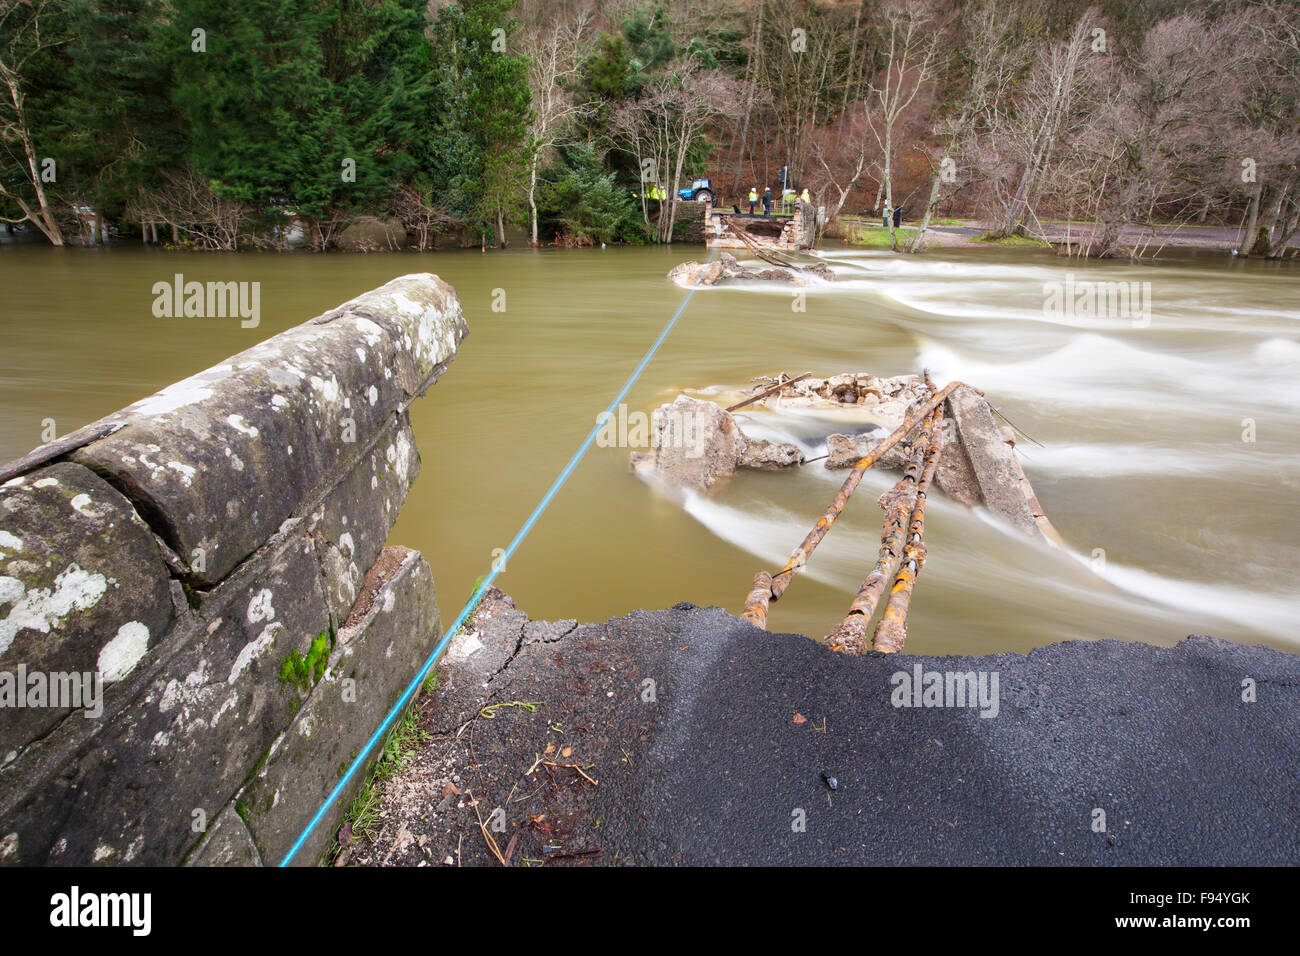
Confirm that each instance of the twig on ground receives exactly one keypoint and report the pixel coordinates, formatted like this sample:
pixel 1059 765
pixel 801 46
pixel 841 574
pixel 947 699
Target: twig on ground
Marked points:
pixel 490 712
pixel 487 837
pixel 571 766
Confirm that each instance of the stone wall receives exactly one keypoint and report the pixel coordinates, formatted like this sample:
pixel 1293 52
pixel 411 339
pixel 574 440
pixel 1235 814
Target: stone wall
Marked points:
pixel 216 568
pixel 788 234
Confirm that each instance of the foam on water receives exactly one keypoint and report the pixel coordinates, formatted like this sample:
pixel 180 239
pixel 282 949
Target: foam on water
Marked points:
pixel 1274 615
pixel 1103 371
pixel 1095 460
pixel 769 532
pixel 1209 352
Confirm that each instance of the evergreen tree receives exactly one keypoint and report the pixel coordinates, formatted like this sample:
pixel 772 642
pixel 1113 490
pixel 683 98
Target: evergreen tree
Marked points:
pixel 313 108
pixel 479 150
pixel 253 91
pixel 584 202
pixel 114 116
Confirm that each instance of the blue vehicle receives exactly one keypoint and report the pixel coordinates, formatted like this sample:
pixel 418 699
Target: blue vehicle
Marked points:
pixel 701 190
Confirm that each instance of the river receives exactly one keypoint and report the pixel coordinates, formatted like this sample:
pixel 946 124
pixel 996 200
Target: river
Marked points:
pixel 1168 459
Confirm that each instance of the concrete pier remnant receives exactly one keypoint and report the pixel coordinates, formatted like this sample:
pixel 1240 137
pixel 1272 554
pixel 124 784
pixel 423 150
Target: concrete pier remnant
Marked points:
pixel 696 444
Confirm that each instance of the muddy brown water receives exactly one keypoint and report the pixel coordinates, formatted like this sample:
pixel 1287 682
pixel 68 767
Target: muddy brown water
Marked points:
pixel 1175 522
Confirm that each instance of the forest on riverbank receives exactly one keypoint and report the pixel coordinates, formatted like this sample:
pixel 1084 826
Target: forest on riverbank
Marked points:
pixel 269 123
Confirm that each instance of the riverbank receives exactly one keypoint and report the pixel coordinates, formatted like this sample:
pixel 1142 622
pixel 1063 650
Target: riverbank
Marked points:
pixel 968 233
pixel 377 236
pixel 687 736
pixel 246 510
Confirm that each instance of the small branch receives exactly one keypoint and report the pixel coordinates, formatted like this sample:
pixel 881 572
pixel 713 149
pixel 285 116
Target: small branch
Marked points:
pixel 571 766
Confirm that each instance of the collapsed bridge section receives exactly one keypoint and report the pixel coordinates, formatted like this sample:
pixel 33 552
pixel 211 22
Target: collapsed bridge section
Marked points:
pixel 945 436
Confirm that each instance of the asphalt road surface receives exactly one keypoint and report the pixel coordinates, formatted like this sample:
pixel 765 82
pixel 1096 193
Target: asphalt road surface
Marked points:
pixel 704 740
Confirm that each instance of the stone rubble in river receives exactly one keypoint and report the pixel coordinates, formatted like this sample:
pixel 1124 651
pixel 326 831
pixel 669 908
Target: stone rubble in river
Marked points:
pixel 695 444
pixel 888 398
pixel 696 274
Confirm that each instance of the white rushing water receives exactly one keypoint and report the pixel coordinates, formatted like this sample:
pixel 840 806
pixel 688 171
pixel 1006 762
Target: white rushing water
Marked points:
pixel 1169 456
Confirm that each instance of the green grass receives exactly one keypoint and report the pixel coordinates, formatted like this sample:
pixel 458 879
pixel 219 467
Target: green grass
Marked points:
pixel 363 813
pixel 399 747
pixel 1015 241
pixel 876 237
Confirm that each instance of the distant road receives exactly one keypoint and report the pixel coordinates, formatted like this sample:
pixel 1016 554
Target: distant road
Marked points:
pixel 967 230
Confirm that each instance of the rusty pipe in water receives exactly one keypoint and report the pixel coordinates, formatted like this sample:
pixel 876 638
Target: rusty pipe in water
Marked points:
pixel 756 604
pixel 891 632
pixel 781 580
pixel 850 635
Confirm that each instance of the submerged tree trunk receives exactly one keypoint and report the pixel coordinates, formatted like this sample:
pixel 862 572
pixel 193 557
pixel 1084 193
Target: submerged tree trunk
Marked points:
pixel 532 199
pixel 930 203
pixel 1108 243
pixel 1252 217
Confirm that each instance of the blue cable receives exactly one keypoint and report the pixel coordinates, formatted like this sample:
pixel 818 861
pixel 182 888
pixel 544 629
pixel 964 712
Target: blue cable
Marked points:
pixel 487 583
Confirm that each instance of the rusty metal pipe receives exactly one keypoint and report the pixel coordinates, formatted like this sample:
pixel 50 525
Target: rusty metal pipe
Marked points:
pixel 781 580
pixel 851 634
pixel 756 604
pixel 891 632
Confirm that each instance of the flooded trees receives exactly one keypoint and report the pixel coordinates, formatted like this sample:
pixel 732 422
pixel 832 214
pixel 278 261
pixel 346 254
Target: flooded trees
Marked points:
pixel 27 29
pixel 662 126
pixel 554 65
pixel 1265 78
pixel 911 55
pixel 1014 109
pixel 1022 136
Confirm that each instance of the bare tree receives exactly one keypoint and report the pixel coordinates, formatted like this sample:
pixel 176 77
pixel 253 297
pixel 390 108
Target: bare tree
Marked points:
pixel 911 58
pixel 1022 139
pixel 991 63
pixel 1262 99
pixel 662 125
pixel 554 64
pixel 753 68
pixel 418 212
pixel 21 30
pixel 844 152
pixel 1159 114
pixel 815 60
pixel 1150 133
pixel 189 204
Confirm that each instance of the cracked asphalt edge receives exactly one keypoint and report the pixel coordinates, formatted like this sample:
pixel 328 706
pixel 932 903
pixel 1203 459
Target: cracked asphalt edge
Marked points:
pixel 711 741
